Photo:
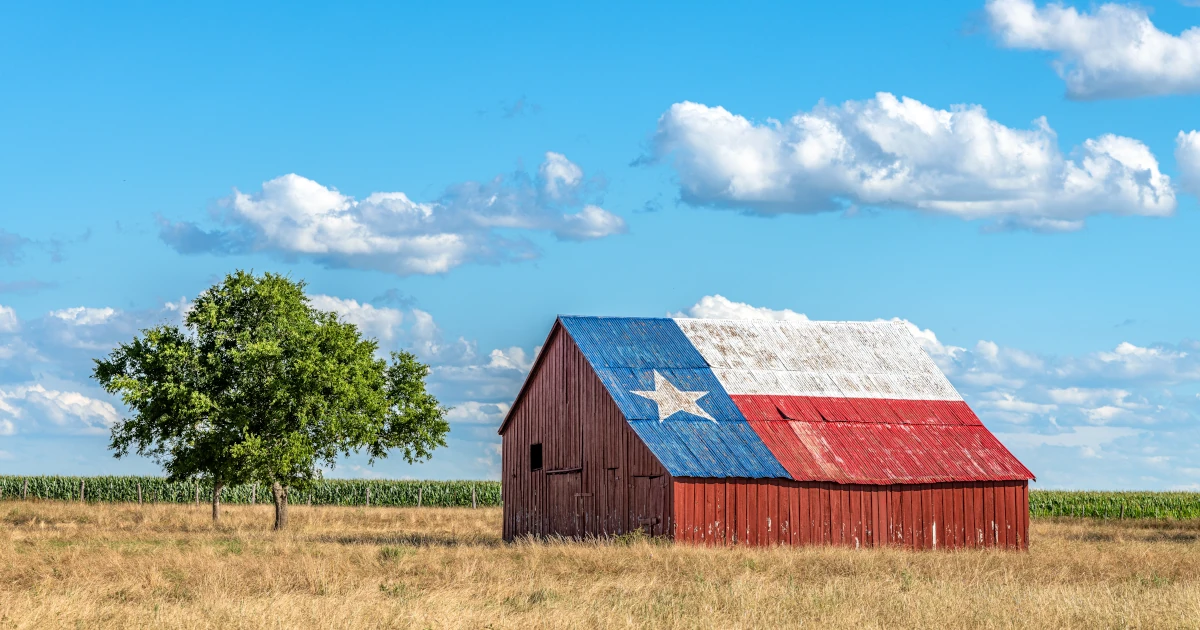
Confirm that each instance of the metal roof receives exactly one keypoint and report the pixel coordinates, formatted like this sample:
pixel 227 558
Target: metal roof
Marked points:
pixel 848 402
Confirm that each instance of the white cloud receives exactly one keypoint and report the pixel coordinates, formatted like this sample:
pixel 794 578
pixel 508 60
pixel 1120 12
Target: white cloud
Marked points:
pixel 560 176
pixel 1129 361
pixel 64 408
pixel 491 460
pixel 890 152
pixel 382 323
pixel 1113 52
pixel 592 222
pixel 7 427
pixel 1088 438
pixel 85 316
pixel 8 319
pixel 1106 414
pixel 1083 396
pixel 514 358
pixel 472 412
pixel 1012 404
pixel 721 307
pixel 178 310
pixel 387 231
pixel 1187 157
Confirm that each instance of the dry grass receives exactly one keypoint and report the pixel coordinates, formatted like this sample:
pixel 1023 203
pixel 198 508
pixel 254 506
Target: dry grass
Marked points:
pixel 102 566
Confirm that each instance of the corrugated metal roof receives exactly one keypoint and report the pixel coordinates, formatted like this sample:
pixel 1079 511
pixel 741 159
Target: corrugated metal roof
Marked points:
pixel 849 402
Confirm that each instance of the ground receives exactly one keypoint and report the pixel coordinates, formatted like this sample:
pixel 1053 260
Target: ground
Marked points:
pixel 109 566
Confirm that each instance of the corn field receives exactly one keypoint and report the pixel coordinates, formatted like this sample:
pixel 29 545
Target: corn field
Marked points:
pixel 325 492
pixel 1043 503
pixel 349 492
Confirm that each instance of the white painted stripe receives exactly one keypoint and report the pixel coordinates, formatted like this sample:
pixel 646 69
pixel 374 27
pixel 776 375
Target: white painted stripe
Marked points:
pixel 839 359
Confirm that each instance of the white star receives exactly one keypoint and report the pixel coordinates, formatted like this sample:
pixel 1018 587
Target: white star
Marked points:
pixel 671 401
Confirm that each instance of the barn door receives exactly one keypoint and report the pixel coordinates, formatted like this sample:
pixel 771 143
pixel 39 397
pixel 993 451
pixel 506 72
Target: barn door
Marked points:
pixel 650 500
pixel 611 522
pixel 565 504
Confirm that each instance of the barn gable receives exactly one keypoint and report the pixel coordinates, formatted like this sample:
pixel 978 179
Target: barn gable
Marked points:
pixel 845 402
pixel 595 476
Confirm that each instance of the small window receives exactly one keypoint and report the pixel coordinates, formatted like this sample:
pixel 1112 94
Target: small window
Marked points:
pixel 535 457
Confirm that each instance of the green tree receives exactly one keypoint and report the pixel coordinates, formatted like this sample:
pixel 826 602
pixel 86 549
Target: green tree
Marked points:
pixel 262 387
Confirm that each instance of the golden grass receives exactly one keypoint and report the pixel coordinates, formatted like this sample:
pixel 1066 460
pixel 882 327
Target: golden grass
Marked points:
pixel 115 566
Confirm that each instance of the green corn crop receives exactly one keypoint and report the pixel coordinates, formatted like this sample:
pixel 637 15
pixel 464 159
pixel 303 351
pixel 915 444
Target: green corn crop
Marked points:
pixel 325 492
pixel 1045 503
pixel 349 492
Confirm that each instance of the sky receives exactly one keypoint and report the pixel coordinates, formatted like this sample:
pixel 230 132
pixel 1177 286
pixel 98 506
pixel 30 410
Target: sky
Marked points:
pixel 1017 181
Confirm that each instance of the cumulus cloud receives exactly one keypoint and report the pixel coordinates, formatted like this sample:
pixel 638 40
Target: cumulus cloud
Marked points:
pixel 1160 363
pixel 383 323
pixel 1089 440
pixel 64 408
pixel 1187 157
pixel 560 176
pixel 1113 52
pixel 8 319
pixel 84 316
pixel 721 307
pixel 889 152
pixel 1083 418
pixel 473 412
pixel 481 222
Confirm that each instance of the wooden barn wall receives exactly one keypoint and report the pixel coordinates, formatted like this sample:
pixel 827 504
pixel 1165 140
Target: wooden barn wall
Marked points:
pixel 777 511
pixel 597 478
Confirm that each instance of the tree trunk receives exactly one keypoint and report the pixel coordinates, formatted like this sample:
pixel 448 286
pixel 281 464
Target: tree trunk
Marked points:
pixel 280 494
pixel 217 488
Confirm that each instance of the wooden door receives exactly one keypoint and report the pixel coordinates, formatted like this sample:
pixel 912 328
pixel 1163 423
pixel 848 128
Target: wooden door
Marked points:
pixel 565 504
pixel 650 501
pixel 611 492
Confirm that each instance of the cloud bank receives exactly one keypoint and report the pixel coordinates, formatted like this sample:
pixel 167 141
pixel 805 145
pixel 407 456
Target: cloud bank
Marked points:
pixel 472 222
pixel 889 152
pixel 1113 52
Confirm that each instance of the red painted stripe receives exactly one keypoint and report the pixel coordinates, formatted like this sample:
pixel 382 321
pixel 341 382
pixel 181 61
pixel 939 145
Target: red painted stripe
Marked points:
pixel 870 410
pixel 879 441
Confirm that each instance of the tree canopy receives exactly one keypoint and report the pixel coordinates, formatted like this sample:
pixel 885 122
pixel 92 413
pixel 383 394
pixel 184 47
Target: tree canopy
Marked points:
pixel 259 386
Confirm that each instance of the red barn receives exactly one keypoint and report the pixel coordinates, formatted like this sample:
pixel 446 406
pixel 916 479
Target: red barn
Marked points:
pixel 753 432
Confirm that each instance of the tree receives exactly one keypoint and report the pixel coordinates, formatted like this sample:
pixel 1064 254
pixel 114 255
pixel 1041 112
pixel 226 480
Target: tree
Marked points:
pixel 264 388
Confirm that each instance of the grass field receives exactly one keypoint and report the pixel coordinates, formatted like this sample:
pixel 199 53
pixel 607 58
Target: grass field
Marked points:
pixel 66 565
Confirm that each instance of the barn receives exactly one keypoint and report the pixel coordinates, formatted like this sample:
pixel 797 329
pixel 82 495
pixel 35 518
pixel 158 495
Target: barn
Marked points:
pixel 754 432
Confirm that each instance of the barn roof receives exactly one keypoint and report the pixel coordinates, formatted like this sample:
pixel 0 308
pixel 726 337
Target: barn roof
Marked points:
pixel 847 402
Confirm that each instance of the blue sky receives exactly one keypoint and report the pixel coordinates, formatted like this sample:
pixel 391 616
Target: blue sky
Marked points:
pixel 1016 180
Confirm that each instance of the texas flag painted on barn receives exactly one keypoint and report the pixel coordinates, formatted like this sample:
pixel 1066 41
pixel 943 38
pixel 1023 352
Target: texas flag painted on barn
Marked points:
pixel 846 402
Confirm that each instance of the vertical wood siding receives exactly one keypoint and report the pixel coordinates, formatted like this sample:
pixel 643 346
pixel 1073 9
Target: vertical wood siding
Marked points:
pixel 598 478
pixel 966 515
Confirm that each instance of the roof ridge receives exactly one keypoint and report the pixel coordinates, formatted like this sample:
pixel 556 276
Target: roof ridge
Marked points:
pixel 891 322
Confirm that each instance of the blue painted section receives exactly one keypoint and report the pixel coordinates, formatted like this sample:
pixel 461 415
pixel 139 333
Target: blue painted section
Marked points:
pixel 703 449
pixel 633 342
pixel 626 352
